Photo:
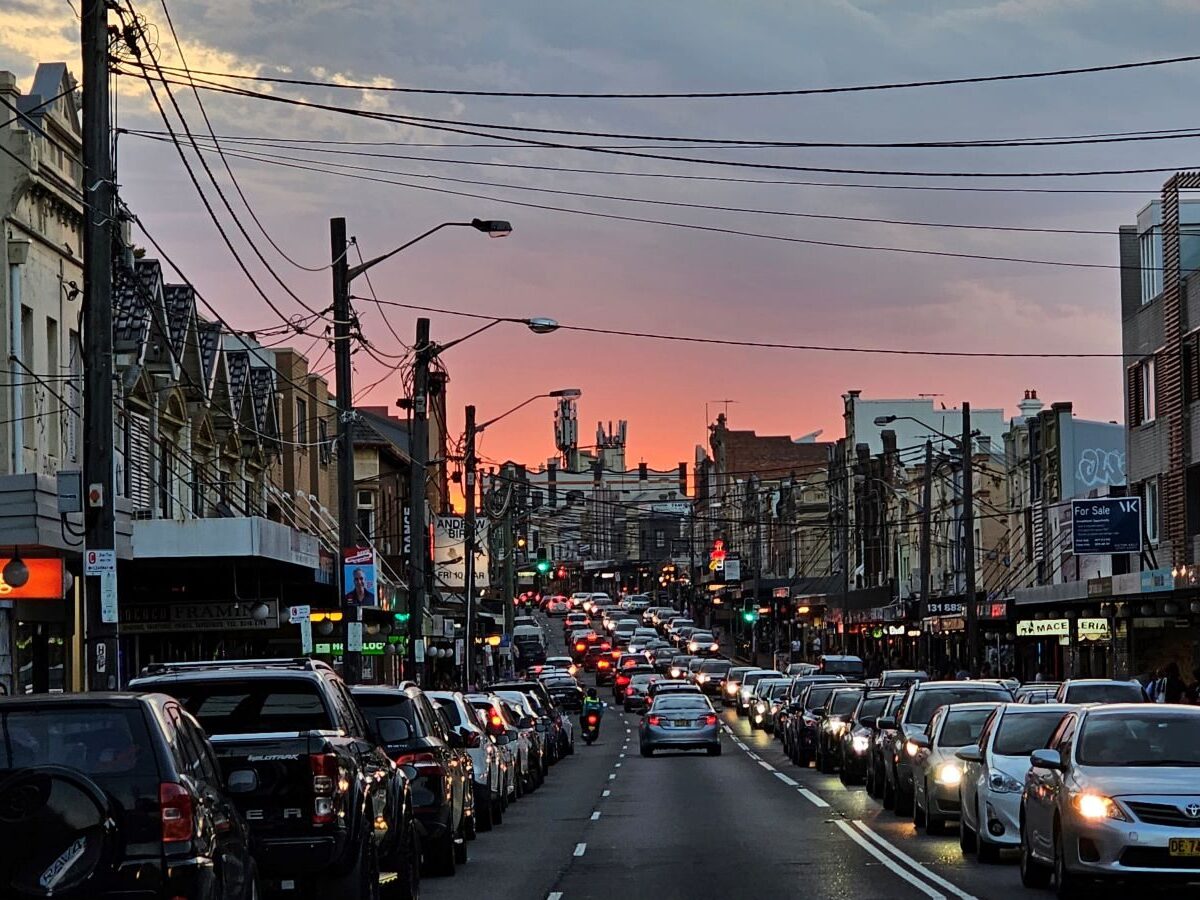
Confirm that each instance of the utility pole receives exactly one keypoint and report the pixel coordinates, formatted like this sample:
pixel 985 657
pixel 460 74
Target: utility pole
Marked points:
pixel 972 610
pixel 469 545
pixel 926 514
pixel 418 440
pixel 101 630
pixel 758 564
pixel 510 549
pixel 347 526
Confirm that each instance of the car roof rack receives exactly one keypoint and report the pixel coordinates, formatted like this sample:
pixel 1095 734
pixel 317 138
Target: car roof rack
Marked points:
pixel 299 662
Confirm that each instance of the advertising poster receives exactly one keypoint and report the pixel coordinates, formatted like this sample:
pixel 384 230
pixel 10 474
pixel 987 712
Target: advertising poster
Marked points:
pixel 359 576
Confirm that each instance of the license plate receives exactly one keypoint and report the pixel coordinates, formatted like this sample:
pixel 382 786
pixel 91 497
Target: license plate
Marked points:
pixel 1184 846
pixel 682 723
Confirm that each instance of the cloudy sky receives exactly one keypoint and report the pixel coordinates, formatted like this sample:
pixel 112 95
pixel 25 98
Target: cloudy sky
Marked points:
pixel 635 276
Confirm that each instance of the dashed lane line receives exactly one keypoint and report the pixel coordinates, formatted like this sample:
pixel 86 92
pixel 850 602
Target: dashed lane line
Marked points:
pixel 596 815
pixel 941 882
pixel 813 798
pixel 554 895
pixel 606 793
pixel 787 779
pixel 926 889
pixel 612 777
pixel 580 849
pixel 766 765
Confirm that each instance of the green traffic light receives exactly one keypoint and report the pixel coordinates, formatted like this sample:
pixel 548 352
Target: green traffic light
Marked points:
pixel 401 617
pixel 543 566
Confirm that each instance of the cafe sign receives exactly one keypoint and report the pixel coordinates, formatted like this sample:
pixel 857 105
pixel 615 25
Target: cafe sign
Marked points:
pixel 1044 628
pixel 1093 630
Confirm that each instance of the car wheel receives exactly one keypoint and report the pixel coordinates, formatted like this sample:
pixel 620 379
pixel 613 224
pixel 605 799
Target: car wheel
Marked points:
pixel 1033 873
pixel 904 802
pixel 966 838
pixel 483 815
pixel 715 750
pixel 987 852
pixel 361 882
pixel 869 779
pixel 470 828
pixel 1067 885
pixel 826 764
pixel 497 812
pixel 460 851
pixel 918 811
pixel 407 865
pixel 889 793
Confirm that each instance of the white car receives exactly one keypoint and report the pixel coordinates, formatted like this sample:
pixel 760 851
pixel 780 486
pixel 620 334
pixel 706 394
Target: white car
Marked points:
pixel 994 773
pixel 937 771
pixel 485 756
pixel 514 746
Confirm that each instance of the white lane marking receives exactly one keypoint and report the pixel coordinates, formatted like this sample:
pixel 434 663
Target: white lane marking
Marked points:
pixel 627 731
pixel 612 777
pixel 787 779
pixel 580 849
pixel 766 765
pixel 556 895
pixel 622 756
pixel 754 756
pixel 606 793
pixel 896 868
pixel 813 798
pixel 595 815
pixel 616 765
pixel 941 882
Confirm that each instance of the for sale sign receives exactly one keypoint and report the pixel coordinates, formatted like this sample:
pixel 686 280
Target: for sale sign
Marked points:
pixel 1106 525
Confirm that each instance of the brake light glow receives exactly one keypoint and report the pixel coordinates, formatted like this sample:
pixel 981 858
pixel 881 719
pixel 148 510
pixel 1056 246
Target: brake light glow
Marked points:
pixel 325 783
pixel 592 719
pixel 710 719
pixel 654 720
pixel 175 812
pixel 580 646
pixel 630 691
pixel 425 763
pixel 602 664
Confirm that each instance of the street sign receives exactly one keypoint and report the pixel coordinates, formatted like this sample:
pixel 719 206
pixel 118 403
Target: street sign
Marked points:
pixel 109 614
pixel 99 562
pixel 306 635
pixel 354 637
pixel 299 613
pixel 1106 525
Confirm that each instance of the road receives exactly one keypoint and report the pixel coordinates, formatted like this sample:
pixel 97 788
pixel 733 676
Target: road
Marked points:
pixel 610 823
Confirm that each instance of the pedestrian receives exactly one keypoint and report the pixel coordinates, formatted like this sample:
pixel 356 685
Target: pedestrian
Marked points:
pixel 1155 687
pixel 1174 687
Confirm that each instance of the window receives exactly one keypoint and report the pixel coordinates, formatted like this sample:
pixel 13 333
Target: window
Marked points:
pixel 1150 246
pixel 366 514
pixel 53 411
pixel 301 420
pixel 660 539
pixel 26 366
pixel 1147 385
pixel 1150 510
pixel 323 450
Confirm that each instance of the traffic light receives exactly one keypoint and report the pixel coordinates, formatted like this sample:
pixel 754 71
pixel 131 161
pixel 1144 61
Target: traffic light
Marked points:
pixel 543 564
pixel 749 616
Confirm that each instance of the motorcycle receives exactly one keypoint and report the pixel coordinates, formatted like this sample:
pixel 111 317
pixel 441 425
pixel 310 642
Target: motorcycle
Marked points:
pixel 589 726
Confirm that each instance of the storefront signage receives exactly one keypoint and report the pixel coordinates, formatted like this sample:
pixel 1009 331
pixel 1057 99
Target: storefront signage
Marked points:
pixel 992 610
pixel 45 580
pixel 1154 580
pixel 1106 525
pixel 716 556
pixel 1093 630
pixel 944 608
pixel 733 569
pixel 228 615
pixel 1044 628
pixel 897 630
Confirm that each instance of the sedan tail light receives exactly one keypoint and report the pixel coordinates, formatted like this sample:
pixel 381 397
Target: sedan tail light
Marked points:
pixel 425 763
pixel 654 720
pixel 710 719
pixel 175 812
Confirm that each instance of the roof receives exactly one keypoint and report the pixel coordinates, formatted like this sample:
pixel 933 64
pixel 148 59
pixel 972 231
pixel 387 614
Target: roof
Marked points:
pixel 374 427
pixel 180 303
pixel 769 455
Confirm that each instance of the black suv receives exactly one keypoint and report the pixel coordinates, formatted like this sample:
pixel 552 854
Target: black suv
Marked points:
pixel 326 807
pixel 411 730
pixel 116 793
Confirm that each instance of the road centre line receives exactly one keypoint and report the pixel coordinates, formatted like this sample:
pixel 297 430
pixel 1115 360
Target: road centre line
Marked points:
pixel 787 779
pixel 595 815
pixel 813 798
pixel 612 776
pixel 941 882
pixel 555 895
pixel 580 849
pixel 894 866
pixel 766 765
pixel 606 794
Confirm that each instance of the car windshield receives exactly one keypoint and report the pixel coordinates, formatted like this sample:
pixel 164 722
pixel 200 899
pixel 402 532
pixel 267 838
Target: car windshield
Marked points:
pixel 1118 692
pixel 848 666
pixel 873 706
pixel 962 727
pixel 1020 734
pixel 96 741
pixel 925 703
pixel 844 702
pixel 1140 739
pixel 817 696
pixel 254 706
pixel 677 703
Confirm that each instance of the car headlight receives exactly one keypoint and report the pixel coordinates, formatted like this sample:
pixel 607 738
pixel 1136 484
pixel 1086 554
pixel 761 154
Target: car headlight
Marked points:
pixel 835 726
pixel 1097 806
pixel 1004 784
pixel 731 689
pixel 859 743
pixel 693 646
pixel 701 678
pixel 948 774
pixel 910 748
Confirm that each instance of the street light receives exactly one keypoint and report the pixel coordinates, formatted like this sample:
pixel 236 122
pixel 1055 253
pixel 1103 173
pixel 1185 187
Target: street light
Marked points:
pixel 343 274
pixel 469 518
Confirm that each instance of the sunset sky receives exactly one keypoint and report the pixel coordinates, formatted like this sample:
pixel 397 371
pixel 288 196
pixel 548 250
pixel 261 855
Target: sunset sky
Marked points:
pixel 635 276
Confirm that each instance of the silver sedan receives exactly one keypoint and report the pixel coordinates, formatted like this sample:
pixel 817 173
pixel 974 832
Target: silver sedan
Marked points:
pixel 680 721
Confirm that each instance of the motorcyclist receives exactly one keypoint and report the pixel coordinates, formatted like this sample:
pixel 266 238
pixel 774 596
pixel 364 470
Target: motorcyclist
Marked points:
pixel 592 703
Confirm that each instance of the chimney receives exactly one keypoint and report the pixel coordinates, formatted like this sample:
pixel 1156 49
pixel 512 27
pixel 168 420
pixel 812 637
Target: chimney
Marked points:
pixel 1031 405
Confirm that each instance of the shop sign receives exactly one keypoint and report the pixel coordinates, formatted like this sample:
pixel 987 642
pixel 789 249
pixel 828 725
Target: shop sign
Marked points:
pixel 1093 630
pixel 991 610
pixel 1044 628
pixel 897 630
pixel 733 569
pixel 229 615
pixel 944 608
pixel 1154 580
pixel 45 580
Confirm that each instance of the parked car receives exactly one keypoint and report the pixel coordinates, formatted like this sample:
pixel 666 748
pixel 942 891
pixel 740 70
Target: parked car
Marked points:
pixel 324 802
pixel 485 756
pixel 1099 690
pixel 920 702
pixel 508 739
pixel 880 746
pixel 937 771
pixel 1113 797
pixel 522 715
pixel 131 792
pixel 833 722
pixel 405 722
pixel 994 773
pixel 680 722
pixel 855 744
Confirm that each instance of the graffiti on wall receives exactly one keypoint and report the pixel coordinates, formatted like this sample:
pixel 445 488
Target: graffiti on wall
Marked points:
pixel 1099 467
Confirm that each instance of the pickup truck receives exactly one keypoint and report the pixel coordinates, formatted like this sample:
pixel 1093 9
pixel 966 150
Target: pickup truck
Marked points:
pixel 325 806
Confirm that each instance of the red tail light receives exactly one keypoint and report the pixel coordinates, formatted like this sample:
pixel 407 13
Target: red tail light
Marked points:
pixel 175 812
pixel 325 787
pixel 654 720
pixel 592 719
pixel 580 647
pixel 425 763
pixel 622 680
pixel 710 719
pixel 630 691
pixel 602 664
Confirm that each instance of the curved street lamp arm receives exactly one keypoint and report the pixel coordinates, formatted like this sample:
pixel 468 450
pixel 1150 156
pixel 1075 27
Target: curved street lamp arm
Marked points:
pixel 483 425
pixel 354 271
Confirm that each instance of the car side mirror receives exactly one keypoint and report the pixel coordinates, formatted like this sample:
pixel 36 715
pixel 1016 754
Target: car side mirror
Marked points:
pixel 921 740
pixel 1047 759
pixel 867 721
pixel 885 722
pixel 526 722
pixel 455 740
pixel 409 772
pixel 971 754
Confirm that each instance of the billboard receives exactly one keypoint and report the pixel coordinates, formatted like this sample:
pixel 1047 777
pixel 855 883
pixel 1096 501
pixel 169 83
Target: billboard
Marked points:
pixel 360 578
pixel 1106 525
pixel 449 557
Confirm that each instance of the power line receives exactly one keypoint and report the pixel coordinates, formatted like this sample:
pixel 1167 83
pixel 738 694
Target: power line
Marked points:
pixel 711 95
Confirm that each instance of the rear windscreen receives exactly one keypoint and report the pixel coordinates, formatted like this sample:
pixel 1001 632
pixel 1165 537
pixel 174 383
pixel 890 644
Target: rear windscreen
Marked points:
pixel 94 740
pixel 817 696
pixel 254 706
pixel 844 702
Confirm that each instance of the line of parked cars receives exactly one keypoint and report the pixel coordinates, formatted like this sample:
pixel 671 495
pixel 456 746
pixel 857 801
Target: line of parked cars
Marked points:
pixel 231 779
pixel 1085 780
